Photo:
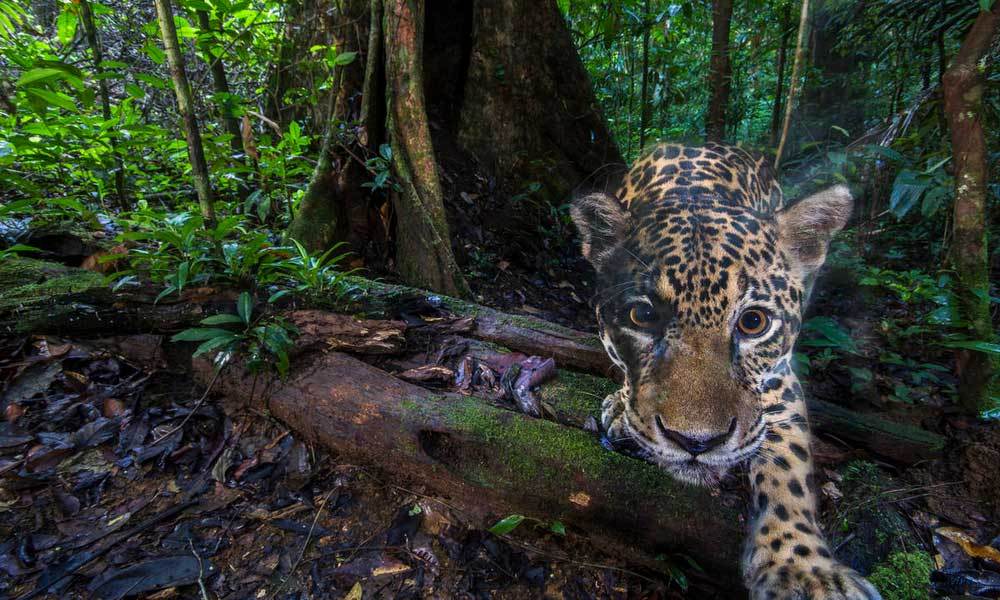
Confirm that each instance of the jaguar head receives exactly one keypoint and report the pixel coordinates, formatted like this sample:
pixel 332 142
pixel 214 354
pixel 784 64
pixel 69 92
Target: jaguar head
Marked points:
pixel 699 304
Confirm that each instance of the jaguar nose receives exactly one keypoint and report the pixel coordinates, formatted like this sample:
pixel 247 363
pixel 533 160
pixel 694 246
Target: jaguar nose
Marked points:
pixel 696 443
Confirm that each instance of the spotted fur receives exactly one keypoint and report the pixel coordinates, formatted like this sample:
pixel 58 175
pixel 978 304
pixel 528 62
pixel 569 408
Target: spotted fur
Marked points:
pixel 693 240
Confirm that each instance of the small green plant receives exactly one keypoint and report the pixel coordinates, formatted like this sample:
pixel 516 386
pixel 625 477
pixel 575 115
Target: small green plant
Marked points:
pixel 16 250
pixel 265 340
pixel 904 576
pixel 381 168
pixel 314 274
pixel 512 522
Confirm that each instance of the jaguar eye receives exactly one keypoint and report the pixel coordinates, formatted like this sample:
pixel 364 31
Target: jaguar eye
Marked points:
pixel 642 314
pixel 753 322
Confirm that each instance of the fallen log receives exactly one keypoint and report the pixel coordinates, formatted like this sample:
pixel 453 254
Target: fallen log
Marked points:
pixel 493 462
pixel 38 298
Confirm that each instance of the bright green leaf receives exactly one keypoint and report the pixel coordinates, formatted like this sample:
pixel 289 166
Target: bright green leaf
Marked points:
pixel 66 24
pixel 53 98
pixel 200 334
pixel 244 306
pixel 506 525
pixel 223 319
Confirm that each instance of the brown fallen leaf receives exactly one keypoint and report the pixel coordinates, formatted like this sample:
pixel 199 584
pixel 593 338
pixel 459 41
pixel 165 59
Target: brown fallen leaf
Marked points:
pixel 969 545
pixel 13 412
pixel 356 593
pixel 831 491
pixel 390 567
pixel 112 407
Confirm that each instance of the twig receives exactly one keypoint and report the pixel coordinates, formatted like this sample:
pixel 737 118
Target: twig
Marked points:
pixel 197 405
pixel 201 572
pixel 305 544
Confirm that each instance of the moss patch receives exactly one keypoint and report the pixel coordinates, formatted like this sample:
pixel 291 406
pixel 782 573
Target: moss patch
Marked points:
pixel 576 396
pixel 904 576
pixel 506 450
pixel 869 512
pixel 26 282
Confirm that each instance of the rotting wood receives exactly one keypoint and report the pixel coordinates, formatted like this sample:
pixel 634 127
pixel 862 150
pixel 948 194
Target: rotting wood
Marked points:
pixel 490 461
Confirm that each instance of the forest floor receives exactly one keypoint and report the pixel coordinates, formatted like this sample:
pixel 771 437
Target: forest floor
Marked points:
pixel 233 505
pixel 118 479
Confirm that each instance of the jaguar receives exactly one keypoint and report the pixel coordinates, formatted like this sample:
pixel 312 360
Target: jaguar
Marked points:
pixel 703 272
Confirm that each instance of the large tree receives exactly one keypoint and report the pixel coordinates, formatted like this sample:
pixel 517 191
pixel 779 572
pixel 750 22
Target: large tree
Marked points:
pixel 719 71
pixel 963 105
pixel 496 84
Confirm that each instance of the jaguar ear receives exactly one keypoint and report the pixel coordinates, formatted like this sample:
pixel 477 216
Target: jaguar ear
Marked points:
pixel 602 222
pixel 807 226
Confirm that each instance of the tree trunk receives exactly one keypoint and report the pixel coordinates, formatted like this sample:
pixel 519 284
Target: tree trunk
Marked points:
pixel 423 242
pixel 646 111
pixel 527 106
pixel 779 89
pixel 93 40
pixel 220 84
pixel 963 102
pixel 185 105
pixel 719 73
pixel 793 84
pixel 335 205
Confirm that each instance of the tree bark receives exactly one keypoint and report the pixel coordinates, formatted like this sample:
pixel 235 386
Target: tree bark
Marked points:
pixel 334 208
pixel 527 110
pixel 793 84
pixel 779 89
pixel 963 105
pixel 423 242
pixel 185 105
pixel 94 41
pixel 719 73
pixel 220 83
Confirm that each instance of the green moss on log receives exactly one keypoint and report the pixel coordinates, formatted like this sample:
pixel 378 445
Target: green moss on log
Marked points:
pixel 522 453
pixel 576 396
pixel 32 289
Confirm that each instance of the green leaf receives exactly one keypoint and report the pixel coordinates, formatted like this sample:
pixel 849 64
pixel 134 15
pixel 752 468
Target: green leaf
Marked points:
pixel 154 52
pixel 215 343
pixel 40 74
pixel 201 334
pixel 66 25
pixel 223 319
pixel 135 91
pixel 506 525
pixel 985 5
pixel 244 306
pixel 907 190
pixel 278 295
pixel 557 528
pixel 978 345
pixel 53 98
pixel 344 58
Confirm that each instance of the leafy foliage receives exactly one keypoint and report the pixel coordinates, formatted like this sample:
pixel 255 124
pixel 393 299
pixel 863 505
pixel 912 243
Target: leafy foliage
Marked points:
pixel 264 340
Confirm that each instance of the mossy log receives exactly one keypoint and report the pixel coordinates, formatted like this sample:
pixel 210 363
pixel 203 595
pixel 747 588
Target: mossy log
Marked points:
pixel 38 297
pixel 492 462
